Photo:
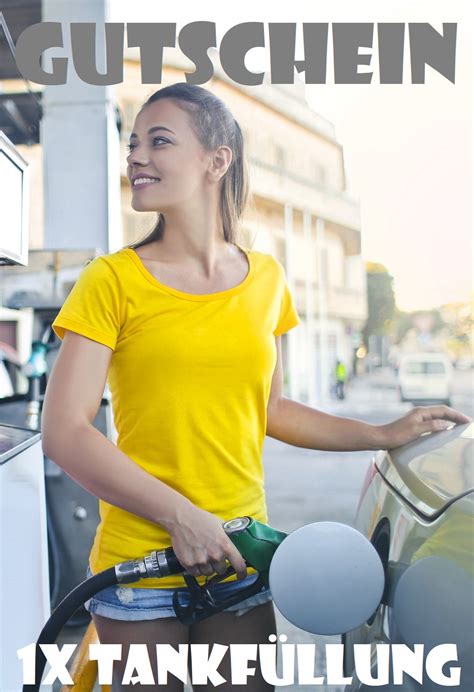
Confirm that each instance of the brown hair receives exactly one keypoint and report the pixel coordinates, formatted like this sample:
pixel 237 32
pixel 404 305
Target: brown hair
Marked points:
pixel 214 126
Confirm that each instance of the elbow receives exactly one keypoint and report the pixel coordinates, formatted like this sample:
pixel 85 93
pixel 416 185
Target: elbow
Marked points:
pixel 51 442
pixel 48 438
pixel 273 418
pixel 58 436
pixel 50 446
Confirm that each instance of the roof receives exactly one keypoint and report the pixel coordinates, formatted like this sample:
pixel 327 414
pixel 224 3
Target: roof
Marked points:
pixel 18 15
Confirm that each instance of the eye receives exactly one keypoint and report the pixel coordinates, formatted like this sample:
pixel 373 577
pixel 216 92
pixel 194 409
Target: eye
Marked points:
pixel 131 146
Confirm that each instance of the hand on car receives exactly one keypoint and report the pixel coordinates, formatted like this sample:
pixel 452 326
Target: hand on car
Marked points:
pixel 419 420
pixel 203 547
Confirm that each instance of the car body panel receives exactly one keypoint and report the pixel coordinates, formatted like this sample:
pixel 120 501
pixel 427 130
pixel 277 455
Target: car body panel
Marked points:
pixel 420 472
pixel 418 511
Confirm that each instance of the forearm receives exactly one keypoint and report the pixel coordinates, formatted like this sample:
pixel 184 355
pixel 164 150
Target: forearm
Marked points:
pixel 105 471
pixel 304 426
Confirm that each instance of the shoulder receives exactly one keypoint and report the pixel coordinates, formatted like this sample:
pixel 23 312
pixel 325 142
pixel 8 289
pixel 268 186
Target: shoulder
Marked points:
pixel 267 264
pixel 109 267
pixel 113 261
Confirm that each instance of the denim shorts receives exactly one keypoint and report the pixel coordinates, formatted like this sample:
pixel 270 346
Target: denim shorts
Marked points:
pixel 129 603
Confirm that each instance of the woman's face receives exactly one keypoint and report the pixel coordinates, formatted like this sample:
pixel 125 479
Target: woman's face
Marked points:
pixel 166 164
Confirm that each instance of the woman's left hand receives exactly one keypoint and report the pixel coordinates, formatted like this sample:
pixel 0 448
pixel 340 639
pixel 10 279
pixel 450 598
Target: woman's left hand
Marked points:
pixel 419 420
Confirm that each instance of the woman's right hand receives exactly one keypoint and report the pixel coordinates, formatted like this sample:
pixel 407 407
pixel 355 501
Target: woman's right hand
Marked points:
pixel 202 546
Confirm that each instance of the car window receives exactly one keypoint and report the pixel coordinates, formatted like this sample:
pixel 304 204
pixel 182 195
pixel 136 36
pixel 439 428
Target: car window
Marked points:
pixel 425 368
pixel 435 368
pixel 414 368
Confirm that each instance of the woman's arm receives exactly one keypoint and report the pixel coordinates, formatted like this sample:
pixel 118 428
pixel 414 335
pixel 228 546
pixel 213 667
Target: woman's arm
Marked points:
pixel 71 402
pixel 304 426
pixel 72 399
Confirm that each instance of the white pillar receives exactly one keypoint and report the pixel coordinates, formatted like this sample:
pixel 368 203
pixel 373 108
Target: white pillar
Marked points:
pixel 80 141
pixel 292 363
pixel 324 371
pixel 309 291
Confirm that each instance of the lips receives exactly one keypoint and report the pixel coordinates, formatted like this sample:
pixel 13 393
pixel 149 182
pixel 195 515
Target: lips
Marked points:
pixel 140 181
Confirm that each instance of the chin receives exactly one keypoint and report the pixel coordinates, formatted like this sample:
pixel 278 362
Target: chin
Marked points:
pixel 140 205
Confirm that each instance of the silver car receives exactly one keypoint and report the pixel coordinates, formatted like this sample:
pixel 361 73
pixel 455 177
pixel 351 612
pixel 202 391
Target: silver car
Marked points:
pixel 417 509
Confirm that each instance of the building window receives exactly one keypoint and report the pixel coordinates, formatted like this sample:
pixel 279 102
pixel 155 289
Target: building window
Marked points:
pixel 321 175
pixel 280 157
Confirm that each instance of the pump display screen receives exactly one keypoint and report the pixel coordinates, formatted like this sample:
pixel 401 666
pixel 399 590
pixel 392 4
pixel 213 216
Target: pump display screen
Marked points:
pixel 13 207
pixel 11 204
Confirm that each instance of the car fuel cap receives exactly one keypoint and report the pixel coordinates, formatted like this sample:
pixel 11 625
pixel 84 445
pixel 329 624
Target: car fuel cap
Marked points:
pixel 326 578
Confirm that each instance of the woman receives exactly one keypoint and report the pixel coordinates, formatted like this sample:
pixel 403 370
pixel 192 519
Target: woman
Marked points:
pixel 186 327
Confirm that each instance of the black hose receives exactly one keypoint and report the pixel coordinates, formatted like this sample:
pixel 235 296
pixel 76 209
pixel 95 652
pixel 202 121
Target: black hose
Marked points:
pixel 54 553
pixel 63 612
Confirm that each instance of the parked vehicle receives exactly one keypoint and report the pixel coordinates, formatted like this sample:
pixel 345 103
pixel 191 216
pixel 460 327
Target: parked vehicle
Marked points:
pixel 417 509
pixel 425 377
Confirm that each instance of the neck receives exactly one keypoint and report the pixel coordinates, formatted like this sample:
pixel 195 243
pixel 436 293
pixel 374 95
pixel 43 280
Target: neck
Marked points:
pixel 192 237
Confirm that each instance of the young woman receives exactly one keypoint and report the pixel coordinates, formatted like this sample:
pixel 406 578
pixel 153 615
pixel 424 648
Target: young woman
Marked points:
pixel 186 327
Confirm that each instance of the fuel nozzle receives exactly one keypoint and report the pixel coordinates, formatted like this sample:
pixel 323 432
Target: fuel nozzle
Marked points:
pixel 255 541
pixel 159 563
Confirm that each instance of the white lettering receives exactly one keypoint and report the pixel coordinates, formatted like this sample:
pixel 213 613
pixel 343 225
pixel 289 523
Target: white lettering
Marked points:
pixel 437 658
pixel 240 655
pixel 204 667
pixel 105 655
pixel 334 665
pixel 306 654
pixel 363 664
pixel 205 659
pixel 57 658
pixel 139 661
pixel 404 660
pixel 268 664
pixel 171 661
pixel 27 656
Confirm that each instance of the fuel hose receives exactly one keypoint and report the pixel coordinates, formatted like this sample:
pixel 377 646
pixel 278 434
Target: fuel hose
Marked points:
pixel 158 564
pixel 308 573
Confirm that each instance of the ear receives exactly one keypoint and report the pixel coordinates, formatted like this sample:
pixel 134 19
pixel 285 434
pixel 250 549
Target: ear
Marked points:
pixel 220 162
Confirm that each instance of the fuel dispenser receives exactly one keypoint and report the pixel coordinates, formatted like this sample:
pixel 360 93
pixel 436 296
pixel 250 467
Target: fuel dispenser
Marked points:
pixel 24 572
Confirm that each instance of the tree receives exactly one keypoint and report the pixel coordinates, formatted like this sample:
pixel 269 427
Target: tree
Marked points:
pixel 381 301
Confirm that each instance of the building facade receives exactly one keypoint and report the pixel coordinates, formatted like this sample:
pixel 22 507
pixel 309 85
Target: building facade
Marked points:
pixel 300 212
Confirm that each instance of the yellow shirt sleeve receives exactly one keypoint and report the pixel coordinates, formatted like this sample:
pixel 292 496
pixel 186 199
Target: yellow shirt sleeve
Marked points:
pixel 288 317
pixel 92 308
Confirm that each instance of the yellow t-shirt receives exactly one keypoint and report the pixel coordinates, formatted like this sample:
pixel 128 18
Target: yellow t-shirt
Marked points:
pixel 190 378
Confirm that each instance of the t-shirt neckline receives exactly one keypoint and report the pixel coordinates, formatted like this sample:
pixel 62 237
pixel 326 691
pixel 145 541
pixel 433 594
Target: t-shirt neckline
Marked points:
pixel 193 296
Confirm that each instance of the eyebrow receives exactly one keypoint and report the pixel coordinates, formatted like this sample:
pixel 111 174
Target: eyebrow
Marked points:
pixel 153 129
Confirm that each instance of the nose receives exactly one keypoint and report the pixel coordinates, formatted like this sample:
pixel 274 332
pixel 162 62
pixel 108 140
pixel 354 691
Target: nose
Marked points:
pixel 138 156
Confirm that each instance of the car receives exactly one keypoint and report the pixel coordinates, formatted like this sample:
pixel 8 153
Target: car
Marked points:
pixel 425 378
pixel 417 509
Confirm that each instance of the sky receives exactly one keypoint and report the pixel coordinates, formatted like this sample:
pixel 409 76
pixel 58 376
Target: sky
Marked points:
pixel 408 148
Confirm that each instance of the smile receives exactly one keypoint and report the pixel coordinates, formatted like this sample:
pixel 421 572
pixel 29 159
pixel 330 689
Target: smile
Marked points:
pixel 142 182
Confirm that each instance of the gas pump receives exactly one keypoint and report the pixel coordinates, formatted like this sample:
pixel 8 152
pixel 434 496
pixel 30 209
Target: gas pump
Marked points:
pixel 24 593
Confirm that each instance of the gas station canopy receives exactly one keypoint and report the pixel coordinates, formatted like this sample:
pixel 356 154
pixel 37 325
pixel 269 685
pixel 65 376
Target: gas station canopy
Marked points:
pixel 20 113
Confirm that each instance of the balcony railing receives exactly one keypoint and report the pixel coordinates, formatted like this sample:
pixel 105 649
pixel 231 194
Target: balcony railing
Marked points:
pixel 282 185
pixel 342 301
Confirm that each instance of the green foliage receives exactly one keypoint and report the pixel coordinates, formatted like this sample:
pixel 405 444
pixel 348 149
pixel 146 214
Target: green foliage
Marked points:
pixel 404 321
pixel 381 301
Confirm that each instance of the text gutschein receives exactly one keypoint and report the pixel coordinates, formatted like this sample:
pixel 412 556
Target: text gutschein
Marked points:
pixel 350 44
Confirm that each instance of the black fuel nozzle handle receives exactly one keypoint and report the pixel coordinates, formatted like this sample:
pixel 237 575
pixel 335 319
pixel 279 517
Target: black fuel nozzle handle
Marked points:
pixel 173 565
